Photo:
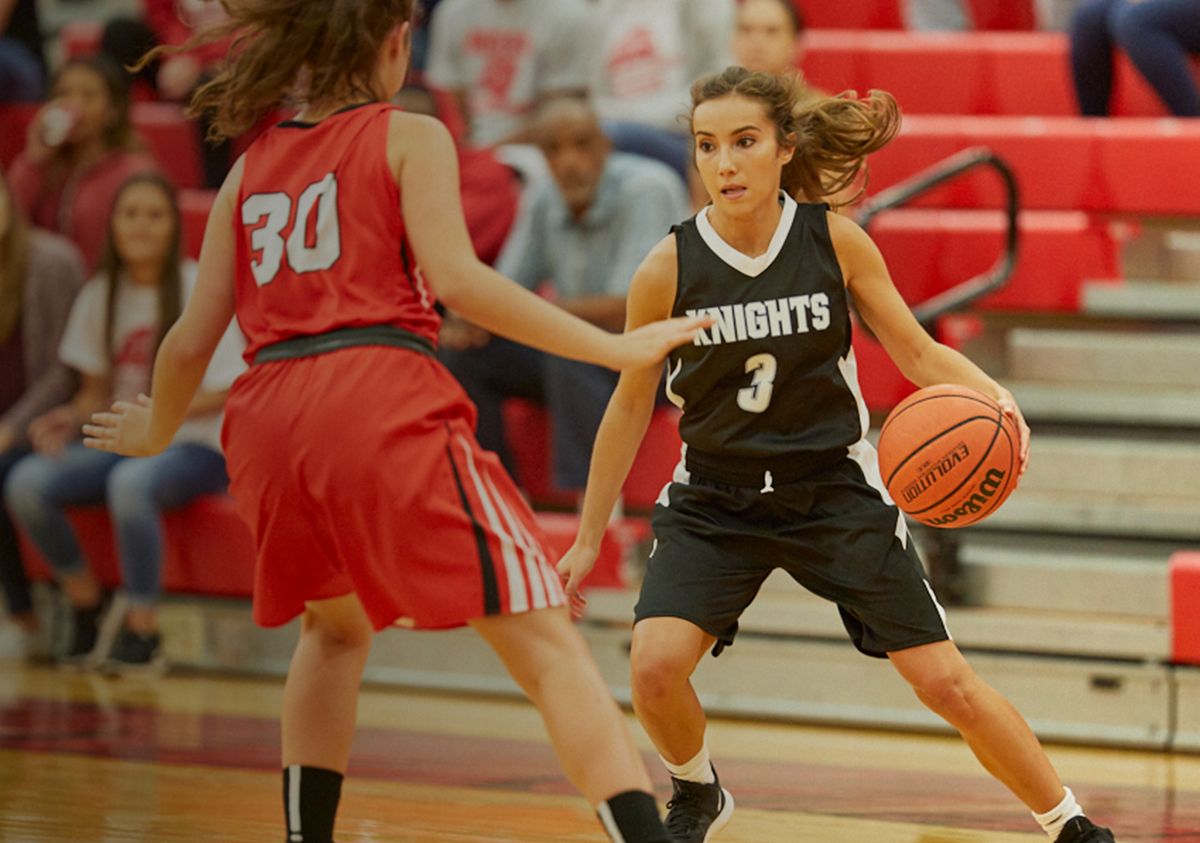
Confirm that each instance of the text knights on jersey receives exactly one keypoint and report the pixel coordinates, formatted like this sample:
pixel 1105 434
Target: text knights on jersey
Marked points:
pixel 759 319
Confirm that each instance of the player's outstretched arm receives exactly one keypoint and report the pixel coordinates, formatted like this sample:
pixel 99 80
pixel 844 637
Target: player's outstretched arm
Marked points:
pixel 422 155
pixel 651 295
pixel 920 358
pixel 147 426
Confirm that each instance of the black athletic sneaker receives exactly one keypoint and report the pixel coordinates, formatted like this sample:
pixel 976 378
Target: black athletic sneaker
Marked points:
pixel 133 652
pixel 1083 830
pixel 697 812
pixel 85 633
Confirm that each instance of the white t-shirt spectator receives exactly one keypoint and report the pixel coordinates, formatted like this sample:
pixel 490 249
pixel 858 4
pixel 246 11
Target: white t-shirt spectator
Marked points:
pixel 135 327
pixel 651 51
pixel 506 54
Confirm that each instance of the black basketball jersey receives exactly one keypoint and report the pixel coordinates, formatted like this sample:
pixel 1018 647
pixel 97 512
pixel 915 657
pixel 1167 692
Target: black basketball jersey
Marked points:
pixel 774 379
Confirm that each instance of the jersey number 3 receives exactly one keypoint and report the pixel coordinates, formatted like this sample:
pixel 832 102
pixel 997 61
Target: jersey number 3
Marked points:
pixel 756 397
pixel 313 244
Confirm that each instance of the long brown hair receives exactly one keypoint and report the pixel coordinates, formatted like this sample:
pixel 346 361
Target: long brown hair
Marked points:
pixel 170 283
pixel 14 263
pixel 319 50
pixel 831 135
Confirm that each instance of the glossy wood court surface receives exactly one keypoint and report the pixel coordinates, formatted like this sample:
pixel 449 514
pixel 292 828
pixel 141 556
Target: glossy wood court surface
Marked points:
pixel 194 758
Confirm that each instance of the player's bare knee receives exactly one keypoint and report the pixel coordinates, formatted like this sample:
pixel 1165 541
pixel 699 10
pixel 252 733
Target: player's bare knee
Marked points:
pixel 658 675
pixel 949 694
pixel 337 632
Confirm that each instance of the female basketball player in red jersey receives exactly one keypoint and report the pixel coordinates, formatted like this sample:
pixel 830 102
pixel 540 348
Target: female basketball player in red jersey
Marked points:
pixel 350 448
pixel 777 471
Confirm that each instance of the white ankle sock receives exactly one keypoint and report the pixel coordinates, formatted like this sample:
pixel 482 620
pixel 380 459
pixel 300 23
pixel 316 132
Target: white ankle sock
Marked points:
pixel 698 770
pixel 1052 821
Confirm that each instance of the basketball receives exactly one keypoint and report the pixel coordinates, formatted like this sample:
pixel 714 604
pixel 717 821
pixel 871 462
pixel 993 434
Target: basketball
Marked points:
pixel 949 456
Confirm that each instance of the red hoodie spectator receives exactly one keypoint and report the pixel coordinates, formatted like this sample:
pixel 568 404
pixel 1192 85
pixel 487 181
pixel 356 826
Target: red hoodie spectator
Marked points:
pixel 68 183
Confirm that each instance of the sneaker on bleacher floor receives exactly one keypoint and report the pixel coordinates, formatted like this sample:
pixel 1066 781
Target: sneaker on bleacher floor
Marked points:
pixel 696 811
pixel 1083 830
pixel 134 653
pixel 91 633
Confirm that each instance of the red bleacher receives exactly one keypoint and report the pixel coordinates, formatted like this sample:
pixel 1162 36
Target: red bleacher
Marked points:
pixel 1003 73
pixel 209 550
pixel 1140 166
pixel 888 14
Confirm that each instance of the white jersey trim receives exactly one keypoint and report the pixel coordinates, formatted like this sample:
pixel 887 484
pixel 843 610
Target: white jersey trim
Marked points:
pixel 740 261
pixel 863 452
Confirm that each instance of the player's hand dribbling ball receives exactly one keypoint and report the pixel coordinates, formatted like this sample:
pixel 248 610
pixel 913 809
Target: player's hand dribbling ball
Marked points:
pixel 949 455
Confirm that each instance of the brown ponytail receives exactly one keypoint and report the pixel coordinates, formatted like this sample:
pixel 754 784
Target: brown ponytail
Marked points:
pixel 318 50
pixel 831 135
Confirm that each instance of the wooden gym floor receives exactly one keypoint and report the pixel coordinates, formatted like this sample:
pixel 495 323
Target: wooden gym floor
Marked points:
pixel 193 758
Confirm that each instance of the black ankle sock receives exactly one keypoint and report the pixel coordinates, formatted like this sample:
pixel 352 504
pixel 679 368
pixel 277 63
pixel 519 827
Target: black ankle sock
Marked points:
pixel 632 817
pixel 310 801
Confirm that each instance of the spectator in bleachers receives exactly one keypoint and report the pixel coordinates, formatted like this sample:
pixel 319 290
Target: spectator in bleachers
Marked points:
pixel 40 273
pixel 490 189
pixel 646 58
pixel 172 23
pixel 111 338
pixel 582 234
pixel 501 58
pixel 769 36
pixel 22 60
pixel 79 149
pixel 1159 36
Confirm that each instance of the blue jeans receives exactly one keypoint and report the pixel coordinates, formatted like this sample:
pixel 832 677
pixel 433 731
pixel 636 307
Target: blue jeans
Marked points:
pixel 39 489
pixel 20 73
pixel 17 596
pixel 1159 36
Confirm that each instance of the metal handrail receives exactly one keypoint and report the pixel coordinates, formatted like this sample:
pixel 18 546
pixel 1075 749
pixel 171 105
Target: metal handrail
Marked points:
pixel 963 294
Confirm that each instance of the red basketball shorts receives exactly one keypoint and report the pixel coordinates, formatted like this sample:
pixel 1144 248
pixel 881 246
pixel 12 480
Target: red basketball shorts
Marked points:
pixel 358 471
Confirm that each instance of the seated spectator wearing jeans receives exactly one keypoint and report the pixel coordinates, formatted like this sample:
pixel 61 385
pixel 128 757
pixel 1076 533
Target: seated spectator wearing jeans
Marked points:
pixel 646 58
pixel 1159 36
pixel 584 234
pixel 80 149
pixel 111 337
pixel 40 274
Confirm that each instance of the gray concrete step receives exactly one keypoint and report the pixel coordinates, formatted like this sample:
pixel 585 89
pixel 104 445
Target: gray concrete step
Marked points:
pixel 783 608
pixel 1143 358
pixel 1124 468
pixel 1143 299
pixel 826 681
pixel 1061 574
pixel 1099 514
pixel 1132 405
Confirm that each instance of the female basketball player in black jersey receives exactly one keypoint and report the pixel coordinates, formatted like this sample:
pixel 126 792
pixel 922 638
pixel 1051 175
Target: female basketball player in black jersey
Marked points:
pixel 777 471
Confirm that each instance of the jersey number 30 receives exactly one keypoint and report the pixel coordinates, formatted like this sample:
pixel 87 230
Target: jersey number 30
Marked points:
pixel 756 397
pixel 312 246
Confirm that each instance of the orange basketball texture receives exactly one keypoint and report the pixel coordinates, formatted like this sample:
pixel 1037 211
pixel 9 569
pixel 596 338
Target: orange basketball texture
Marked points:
pixel 948 455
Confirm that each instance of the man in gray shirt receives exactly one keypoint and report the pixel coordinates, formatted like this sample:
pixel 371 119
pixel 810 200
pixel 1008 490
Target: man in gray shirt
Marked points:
pixel 579 238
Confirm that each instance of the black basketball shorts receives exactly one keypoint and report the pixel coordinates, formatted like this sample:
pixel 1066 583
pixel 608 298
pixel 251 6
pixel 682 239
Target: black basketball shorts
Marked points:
pixel 715 544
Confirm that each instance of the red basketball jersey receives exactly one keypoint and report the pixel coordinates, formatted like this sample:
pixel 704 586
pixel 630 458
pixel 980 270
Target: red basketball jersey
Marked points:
pixel 321 243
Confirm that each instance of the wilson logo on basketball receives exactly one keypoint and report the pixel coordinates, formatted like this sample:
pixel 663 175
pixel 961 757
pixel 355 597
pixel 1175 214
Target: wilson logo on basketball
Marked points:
pixel 935 472
pixel 949 455
pixel 988 487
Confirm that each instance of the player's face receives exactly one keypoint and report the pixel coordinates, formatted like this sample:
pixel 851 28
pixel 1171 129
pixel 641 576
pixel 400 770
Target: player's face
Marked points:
pixel 143 225
pixel 576 149
pixel 764 40
pixel 737 153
